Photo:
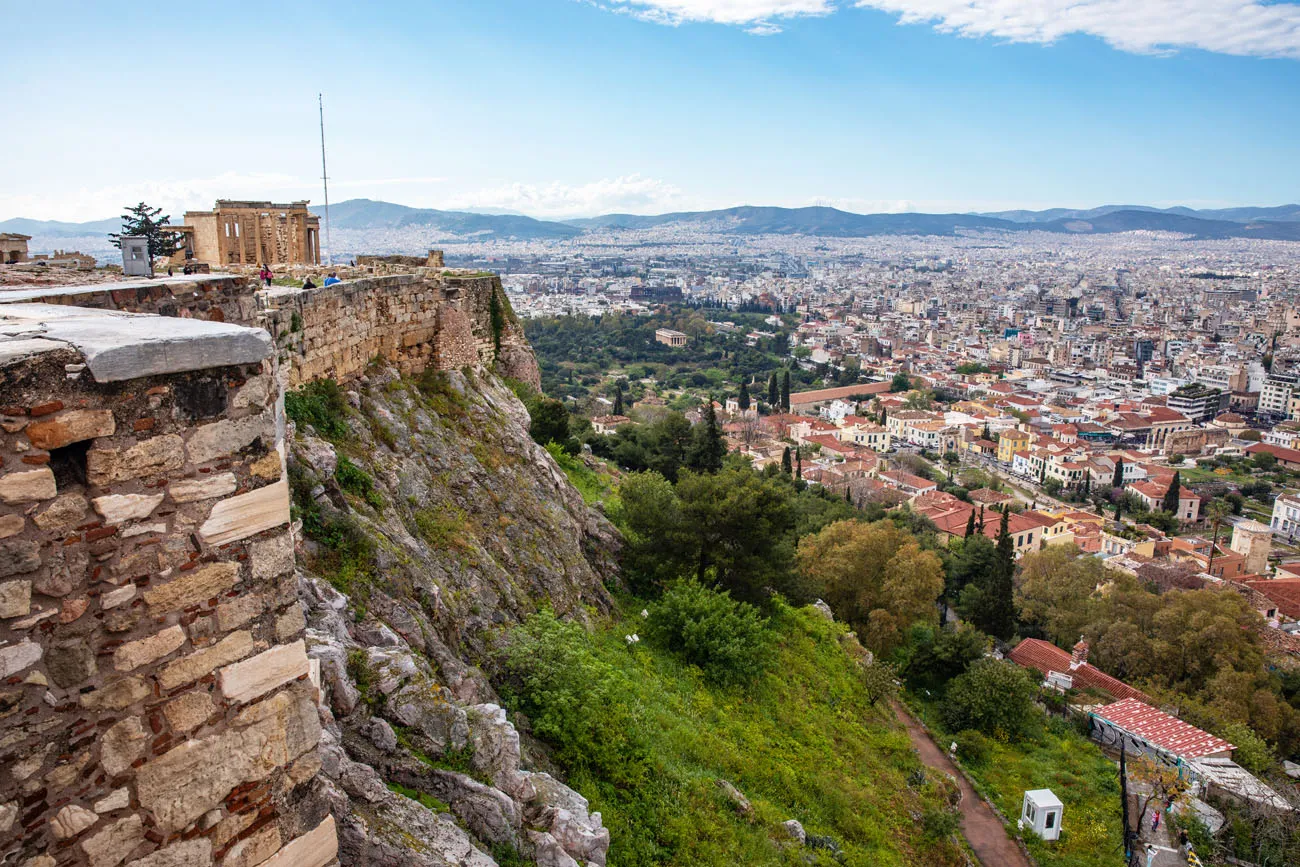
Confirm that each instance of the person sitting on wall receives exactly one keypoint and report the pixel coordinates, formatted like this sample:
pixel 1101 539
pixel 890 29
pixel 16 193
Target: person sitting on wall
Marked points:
pixel 332 279
pixel 307 284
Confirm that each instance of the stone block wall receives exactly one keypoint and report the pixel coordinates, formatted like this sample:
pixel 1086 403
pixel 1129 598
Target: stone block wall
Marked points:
pixel 217 298
pixel 157 706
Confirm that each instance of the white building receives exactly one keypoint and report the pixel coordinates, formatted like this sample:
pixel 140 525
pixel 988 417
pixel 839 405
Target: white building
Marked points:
pixel 1041 813
pixel 1286 515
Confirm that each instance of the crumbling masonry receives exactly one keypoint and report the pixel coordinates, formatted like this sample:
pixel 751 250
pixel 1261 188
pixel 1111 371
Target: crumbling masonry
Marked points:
pixel 157 705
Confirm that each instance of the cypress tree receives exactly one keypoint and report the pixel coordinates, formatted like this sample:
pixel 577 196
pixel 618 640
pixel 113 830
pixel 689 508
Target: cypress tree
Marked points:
pixel 884 415
pixel 708 448
pixel 618 401
pixel 997 602
pixel 785 391
pixel 798 465
pixel 1117 480
pixel 848 495
pixel 787 464
pixel 981 525
pixel 1170 503
pixel 773 392
pixel 970 523
pixel 744 397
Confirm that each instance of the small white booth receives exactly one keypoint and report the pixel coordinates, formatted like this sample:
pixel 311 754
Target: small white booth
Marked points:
pixel 135 256
pixel 1041 813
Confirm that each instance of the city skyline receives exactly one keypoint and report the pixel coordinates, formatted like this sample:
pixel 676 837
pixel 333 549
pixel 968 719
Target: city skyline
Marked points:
pixel 563 109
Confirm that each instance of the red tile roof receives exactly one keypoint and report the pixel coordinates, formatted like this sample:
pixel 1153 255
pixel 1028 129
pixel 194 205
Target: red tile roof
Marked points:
pixel 1288 456
pixel 1282 592
pixel 1161 730
pixel 1045 656
pixel 867 388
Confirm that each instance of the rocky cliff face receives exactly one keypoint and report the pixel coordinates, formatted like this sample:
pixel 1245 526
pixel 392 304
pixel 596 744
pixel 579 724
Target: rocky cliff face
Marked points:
pixel 432 522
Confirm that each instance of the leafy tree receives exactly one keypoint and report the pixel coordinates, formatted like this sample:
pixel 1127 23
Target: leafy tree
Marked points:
pixel 1055 591
pixel 728 640
pixel 708 448
pixel 880 682
pixel 994 608
pixel 1170 501
pixel 785 391
pixel 900 382
pixel 743 399
pixel 1263 461
pixel 1117 480
pixel 875 576
pixel 655 548
pixel 970 562
pixel 550 423
pixel 143 221
pixel 1154 782
pixel 994 697
pixel 942 653
pixel 1253 752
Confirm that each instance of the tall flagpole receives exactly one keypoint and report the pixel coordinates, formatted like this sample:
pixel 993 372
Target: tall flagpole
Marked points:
pixel 324 176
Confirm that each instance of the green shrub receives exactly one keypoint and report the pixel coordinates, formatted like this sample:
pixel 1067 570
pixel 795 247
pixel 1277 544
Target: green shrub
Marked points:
pixel 939 824
pixel 423 798
pixel 355 480
pixel 972 747
pixel 441 528
pixel 994 697
pixel 726 639
pixel 322 405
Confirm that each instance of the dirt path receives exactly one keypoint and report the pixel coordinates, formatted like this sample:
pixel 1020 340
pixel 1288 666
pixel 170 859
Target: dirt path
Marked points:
pixel 980 826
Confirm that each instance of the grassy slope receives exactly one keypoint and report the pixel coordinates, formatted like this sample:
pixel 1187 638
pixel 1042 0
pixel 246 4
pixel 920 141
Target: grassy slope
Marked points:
pixel 800 743
pixel 1073 767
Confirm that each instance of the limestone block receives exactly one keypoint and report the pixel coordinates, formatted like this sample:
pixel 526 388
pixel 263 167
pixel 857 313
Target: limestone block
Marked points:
pixel 119 799
pixel 117 695
pixel 272 557
pixel 27 486
pixel 189 711
pixel 255 392
pixel 72 820
pixel 18 557
pixel 63 514
pixel 109 847
pixel 134 654
pixel 290 623
pixel 143 529
pixel 39 861
pixel 239 611
pixel 70 663
pixel 8 812
pixel 253 849
pixel 316 848
pixel 70 427
pixel 16 657
pixel 193 587
pixel 155 456
pixel 120 596
pixel 121 745
pixel 190 668
pixel 11 525
pixel 188 853
pixel 247 514
pixel 246 680
pixel 204 488
pixel 15 598
pixel 222 438
pixel 120 508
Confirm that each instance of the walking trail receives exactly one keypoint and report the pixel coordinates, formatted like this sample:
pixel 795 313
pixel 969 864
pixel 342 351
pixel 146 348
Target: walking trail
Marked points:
pixel 979 825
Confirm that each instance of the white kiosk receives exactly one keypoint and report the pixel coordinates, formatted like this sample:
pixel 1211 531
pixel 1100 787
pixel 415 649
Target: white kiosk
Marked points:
pixel 1042 813
pixel 135 256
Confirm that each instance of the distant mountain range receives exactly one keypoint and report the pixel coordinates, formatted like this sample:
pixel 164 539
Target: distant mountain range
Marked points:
pixel 1275 223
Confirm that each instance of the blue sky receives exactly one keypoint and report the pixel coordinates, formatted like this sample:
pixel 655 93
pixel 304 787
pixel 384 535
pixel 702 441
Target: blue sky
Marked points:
pixel 573 107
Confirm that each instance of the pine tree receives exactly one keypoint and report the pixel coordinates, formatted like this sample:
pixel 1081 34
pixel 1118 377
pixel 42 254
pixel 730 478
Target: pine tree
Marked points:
pixel 773 392
pixel 744 397
pixel 1170 502
pixel 787 463
pixel 1117 480
pixel 708 449
pixel 143 221
pixel 785 391
pixel 970 524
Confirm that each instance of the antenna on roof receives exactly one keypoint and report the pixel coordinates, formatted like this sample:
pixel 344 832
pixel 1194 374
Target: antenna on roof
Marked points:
pixel 325 179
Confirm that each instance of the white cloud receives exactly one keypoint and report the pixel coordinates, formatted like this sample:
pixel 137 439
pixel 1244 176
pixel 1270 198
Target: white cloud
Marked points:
pixel 1242 27
pixel 627 193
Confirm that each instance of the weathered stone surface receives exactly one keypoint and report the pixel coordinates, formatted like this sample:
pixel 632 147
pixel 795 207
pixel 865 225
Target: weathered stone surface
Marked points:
pixel 196 775
pixel 320 455
pixel 547 851
pixel 18 557
pixel 239 611
pixel 203 488
pixel 246 680
pixel 151 457
pixel 72 820
pixel 794 830
pixel 188 853
pixel 11 525
pixel 188 711
pixel 496 748
pixel 63 514
pixel 120 508
pixel 8 812
pixel 73 609
pixel 16 657
pixel 69 427
pixel 117 695
pixel 120 596
pixel 65 570
pixel 70 663
pixel 272 557
pixel 39 861
pixel 247 514
pixel 16 598
pixel 109 847
pixel 253 849
pixel 255 392
pixel 381 734
pixel 190 668
pixel 27 486
pixel 193 587
pixel 118 799
pixel 432 711
pixel 121 745
pixel 225 437
pixel 316 848
pixel 290 623
pixel 134 654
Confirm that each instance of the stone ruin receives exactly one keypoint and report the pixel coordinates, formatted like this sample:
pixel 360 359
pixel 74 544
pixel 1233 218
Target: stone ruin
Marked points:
pixel 157 704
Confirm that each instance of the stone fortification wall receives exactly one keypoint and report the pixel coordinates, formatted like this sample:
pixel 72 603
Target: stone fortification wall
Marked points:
pixel 216 298
pixel 157 706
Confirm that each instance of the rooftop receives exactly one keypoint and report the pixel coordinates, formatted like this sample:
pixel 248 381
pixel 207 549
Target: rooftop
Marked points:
pixel 1162 730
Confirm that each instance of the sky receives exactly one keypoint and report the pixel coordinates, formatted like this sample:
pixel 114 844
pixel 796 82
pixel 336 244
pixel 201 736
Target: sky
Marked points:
pixel 564 108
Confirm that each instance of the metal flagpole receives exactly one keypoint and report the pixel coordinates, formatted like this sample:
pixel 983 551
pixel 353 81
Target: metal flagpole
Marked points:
pixel 324 176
